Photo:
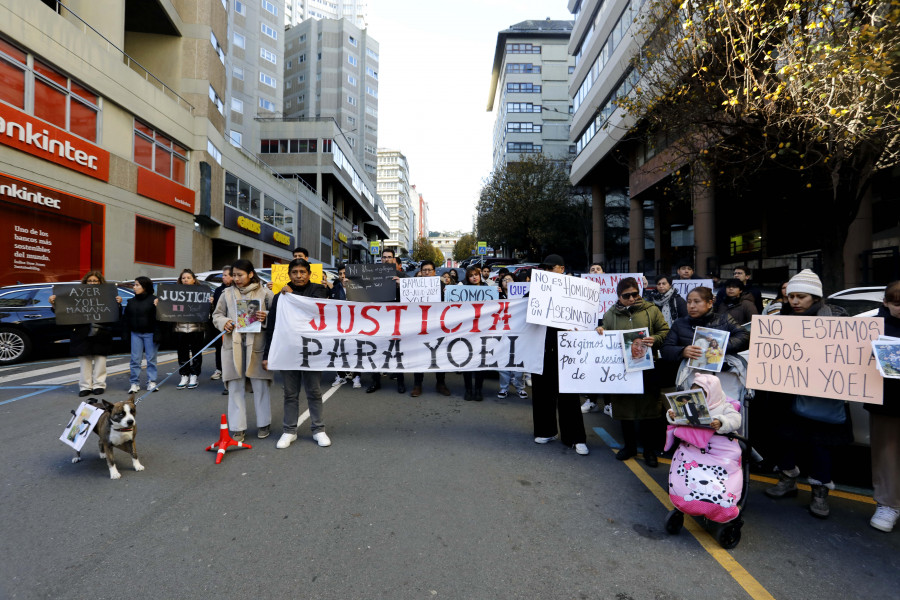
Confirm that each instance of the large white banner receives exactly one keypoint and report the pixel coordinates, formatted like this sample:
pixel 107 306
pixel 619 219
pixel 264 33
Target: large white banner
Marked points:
pixel 590 363
pixel 563 301
pixel 329 335
pixel 608 283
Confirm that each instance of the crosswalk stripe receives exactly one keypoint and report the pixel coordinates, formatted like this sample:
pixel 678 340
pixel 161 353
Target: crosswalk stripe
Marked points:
pixel 68 367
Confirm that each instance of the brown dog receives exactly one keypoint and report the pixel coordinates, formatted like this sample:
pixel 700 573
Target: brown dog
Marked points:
pixel 116 428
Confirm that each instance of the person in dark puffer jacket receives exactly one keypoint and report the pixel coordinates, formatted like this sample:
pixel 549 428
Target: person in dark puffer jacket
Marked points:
pixel 679 342
pixel 139 324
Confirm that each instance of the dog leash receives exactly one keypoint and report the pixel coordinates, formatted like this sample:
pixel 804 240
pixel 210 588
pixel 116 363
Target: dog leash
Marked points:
pixel 148 392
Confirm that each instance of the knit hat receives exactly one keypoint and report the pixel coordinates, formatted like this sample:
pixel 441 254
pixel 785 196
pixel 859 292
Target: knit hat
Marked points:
pixel 805 282
pixel 554 260
pixel 713 388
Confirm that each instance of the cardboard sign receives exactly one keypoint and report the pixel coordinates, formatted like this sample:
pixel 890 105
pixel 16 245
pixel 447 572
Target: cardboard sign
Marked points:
pixel 591 363
pixel 470 293
pixel 371 282
pixel 280 277
pixel 316 273
pixel 86 303
pixel 825 357
pixel 608 283
pixel 420 289
pixel 182 303
pixel 329 335
pixel 80 426
pixel 563 301
pixel 684 286
pixel 517 290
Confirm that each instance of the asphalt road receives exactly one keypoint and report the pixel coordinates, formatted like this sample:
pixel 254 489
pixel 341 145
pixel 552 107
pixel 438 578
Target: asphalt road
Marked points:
pixel 418 498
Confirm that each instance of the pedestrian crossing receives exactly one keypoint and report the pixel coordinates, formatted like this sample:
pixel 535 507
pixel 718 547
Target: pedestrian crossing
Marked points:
pixel 64 372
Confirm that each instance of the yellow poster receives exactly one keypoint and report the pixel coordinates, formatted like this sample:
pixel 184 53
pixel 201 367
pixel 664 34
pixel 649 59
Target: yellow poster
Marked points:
pixel 315 275
pixel 279 277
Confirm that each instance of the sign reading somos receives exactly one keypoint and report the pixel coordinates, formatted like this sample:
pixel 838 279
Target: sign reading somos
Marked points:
pixel 563 301
pixel 470 293
pixel 321 335
pixel 825 357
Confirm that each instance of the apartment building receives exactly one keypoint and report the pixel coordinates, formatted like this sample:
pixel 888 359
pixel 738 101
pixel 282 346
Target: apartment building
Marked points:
pixel 331 72
pixel 529 91
pixel 398 196
pixel 355 11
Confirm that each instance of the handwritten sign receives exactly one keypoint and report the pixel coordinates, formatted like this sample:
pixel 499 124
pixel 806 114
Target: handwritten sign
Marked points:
pixel 86 303
pixel 563 301
pixel 608 283
pixel 80 425
pixel 316 273
pixel 825 357
pixel 420 289
pixel 182 303
pixel 470 293
pixel 280 277
pixel 590 363
pixel 517 290
pixel 371 282
pixel 684 286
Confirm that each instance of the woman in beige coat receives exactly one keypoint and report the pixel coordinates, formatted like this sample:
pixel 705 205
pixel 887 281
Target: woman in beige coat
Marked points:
pixel 242 353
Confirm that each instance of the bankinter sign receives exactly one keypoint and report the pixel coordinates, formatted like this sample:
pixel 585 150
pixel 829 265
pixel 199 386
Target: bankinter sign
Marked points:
pixel 28 134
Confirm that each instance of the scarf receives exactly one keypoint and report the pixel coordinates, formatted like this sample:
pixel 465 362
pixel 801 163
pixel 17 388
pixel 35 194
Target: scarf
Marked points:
pixel 662 302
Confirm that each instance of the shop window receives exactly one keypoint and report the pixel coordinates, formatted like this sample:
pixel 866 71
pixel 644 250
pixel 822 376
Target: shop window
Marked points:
pixel 158 153
pixel 154 242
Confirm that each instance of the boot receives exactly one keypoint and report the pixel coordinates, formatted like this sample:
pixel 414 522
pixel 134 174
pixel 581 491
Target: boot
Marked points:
pixel 819 505
pixel 786 486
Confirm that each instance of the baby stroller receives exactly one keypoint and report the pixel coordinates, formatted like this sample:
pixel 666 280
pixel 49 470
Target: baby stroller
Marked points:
pixel 709 474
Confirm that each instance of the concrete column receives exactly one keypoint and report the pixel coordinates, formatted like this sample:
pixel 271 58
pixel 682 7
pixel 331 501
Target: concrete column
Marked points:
pixel 598 204
pixel 658 234
pixel 703 198
pixel 635 234
pixel 859 238
pixel 106 16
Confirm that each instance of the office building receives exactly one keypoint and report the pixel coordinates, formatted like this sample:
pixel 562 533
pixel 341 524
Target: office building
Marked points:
pixel 355 11
pixel 398 196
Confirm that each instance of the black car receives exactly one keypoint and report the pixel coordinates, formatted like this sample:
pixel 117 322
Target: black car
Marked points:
pixel 27 323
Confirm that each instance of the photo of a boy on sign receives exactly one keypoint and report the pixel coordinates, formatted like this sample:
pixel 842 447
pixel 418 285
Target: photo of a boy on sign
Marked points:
pixel 247 319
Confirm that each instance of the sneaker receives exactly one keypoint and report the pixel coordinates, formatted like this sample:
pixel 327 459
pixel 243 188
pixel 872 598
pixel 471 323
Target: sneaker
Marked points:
pixel 322 439
pixel 356 382
pixel 217 374
pixel 786 486
pixel 588 406
pixel 523 394
pixel 286 440
pixel 582 449
pixel 151 387
pixel 193 382
pixel 237 436
pixel 884 518
pixel 263 432
pixel 527 379
pixel 502 394
pixel 183 383
pixel 134 389
pixel 818 506
pixel 338 380
pixel 544 440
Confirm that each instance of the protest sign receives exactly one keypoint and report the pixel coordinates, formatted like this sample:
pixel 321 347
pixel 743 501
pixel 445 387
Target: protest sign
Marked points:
pixel 86 303
pixel 80 425
pixel 825 357
pixel 316 273
pixel 280 277
pixel 563 301
pixel 420 289
pixel 517 290
pixel 247 320
pixel 470 293
pixel 608 283
pixel 590 363
pixel 178 303
pixel 319 335
pixel 371 282
pixel 684 286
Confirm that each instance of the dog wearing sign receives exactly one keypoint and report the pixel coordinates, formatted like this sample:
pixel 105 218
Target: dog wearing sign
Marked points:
pixel 116 428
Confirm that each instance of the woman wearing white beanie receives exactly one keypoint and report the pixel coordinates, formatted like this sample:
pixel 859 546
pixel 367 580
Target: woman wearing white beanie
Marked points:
pixel 804 298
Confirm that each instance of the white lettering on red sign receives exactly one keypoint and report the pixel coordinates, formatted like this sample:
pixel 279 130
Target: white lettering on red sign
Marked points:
pixel 43 141
pixel 22 193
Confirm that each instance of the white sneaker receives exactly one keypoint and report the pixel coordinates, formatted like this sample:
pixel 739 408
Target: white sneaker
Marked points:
pixel 588 406
pixel 582 449
pixel 192 383
pixel 884 518
pixel 356 382
pixel 338 380
pixel 217 374
pixel 540 440
pixel 523 394
pixel 607 410
pixel 527 378
pixel 134 389
pixel 322 439
pixel 286 440
pixel 151 387
pixel 183 383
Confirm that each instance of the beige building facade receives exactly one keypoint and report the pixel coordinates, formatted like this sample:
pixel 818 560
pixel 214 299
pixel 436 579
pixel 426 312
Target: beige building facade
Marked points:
pixel 399 197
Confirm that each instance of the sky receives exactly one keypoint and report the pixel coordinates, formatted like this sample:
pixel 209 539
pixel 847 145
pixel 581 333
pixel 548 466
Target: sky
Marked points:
pixel 435 62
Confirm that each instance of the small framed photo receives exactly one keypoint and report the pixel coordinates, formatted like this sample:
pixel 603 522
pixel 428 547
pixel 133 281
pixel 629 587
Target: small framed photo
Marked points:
pixel 689 407
pixel 887 356
pixel 713 343
pixel 636 357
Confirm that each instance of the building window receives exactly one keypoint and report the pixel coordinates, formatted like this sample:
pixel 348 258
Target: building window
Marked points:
pixel 295 146
pixel 302 59
pixel 270 7
pixel 522 107
pixel 267 104
pixel 371 53
pixel 238 73
pixel 269 56
pixel 215 44
pixel 239 7
pixel 372 73
pixel 522 68
pixel 236 137
pixel 278 215
pixel 237 105
pixel 302 38
pixel 571 69
pixel 352 60
pixel 301 78
pixel 523 147
pixel 213 151
pixel 523 128
pixel 319 56
pixel 351 100
pixel 242 196
pixel 269 31
pixel 214 98
pixel 522 49
pixel 370 110
pixel 267 79
pixel 523 88
pixel 351 80
pixel 158 153
pixel 351 120
pixel 239 40
pixel 372 91
pixel 353 41
pixel 154 242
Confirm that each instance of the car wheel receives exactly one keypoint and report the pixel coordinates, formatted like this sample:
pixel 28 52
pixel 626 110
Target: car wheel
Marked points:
pixel 15 345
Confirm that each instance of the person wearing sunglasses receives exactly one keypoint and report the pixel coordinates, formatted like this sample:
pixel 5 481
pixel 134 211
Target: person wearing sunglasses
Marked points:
pixel 639 414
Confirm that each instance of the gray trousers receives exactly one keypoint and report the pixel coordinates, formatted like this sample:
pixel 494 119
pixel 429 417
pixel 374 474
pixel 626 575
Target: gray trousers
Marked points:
pixel 311 381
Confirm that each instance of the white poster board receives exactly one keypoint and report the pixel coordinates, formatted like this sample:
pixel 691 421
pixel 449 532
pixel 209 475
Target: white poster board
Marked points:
pixel 562 301
pixel 608 283
pixel 80 425
pixel 684 286
pixel 518 289
pixel 470 293
pixel 414 290
pixel 590 363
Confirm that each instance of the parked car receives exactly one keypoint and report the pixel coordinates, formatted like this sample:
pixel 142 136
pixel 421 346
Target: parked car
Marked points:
pixel 27 323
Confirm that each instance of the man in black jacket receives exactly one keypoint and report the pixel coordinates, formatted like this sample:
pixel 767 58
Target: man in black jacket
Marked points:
pixel 389 257
pixel 298 271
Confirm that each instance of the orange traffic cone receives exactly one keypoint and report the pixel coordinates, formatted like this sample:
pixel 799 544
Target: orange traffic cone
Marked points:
pixel 225 441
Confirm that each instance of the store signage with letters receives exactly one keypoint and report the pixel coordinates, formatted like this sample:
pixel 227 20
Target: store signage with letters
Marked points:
pixel 242 223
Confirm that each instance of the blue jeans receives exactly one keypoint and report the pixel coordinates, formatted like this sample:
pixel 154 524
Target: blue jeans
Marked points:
pixel 515 376
pixel 142 343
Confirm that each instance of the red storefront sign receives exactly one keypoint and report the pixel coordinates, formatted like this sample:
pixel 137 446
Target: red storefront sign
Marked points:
pixel 39 138
pixel 162 189
pixel 47 235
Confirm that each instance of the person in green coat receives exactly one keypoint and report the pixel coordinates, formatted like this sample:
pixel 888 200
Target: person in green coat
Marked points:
pixel 638 412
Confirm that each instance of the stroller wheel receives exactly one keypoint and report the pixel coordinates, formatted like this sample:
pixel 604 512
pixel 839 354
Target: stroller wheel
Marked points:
pixel 729 534
pixel 674 522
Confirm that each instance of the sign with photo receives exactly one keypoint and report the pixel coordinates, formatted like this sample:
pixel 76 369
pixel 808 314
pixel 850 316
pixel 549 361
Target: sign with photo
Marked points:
pixel 713 343
pixel 637 357
pixel 590 363
pixel 178 303
pixel 86 303
pixel 420 289
pixel 247 320
pixel 470 293
pixel 80 425
pixel 562 301
pixel 371 282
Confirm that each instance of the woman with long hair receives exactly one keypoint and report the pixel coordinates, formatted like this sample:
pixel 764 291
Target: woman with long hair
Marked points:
pixel 189 341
